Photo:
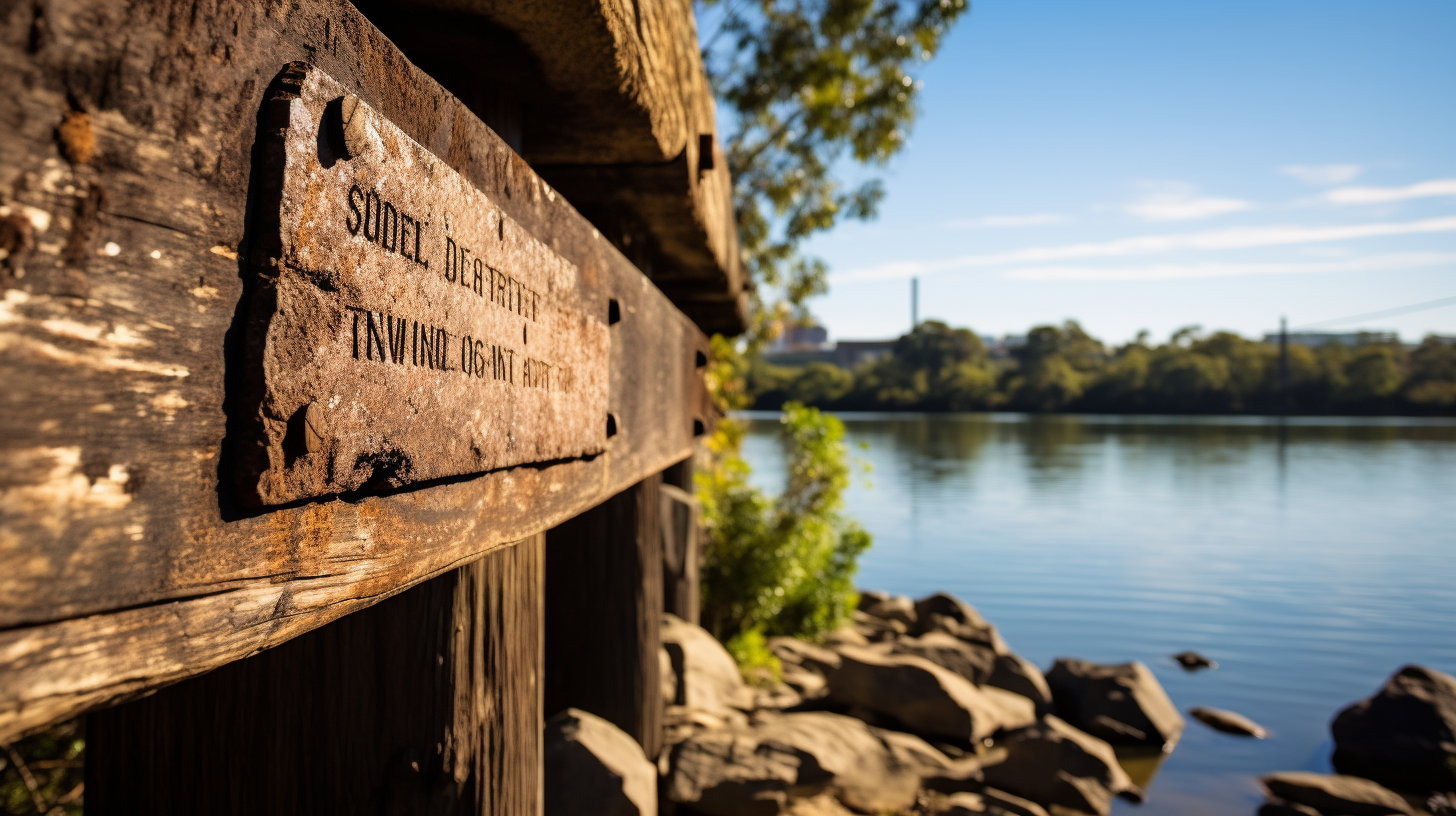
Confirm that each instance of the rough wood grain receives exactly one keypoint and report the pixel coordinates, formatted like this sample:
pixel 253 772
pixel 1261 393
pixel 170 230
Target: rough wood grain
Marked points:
pixel 604 613
pixel 428 703
pixel 617 114
pixel 125 563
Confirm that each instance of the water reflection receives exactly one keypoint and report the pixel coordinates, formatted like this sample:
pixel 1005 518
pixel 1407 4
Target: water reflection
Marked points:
pixel 1309 557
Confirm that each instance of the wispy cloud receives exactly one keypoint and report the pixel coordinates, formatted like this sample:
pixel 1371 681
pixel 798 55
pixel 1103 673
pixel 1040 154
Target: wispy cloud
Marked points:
pixel 1383 195
pixel 1237 238
pixel 1177 201
pixel 1157 272
pixel 1323 175
pixel 1003 221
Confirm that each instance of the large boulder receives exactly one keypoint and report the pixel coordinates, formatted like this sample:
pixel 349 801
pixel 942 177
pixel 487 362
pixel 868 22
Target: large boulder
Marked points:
pixel 1335 795
pixel 943 612
pixel 891 608
pixel 925 698
pixel 1123 704
pixel 593 768
pixel 753 771
pixel 1018 675
pixel 707 676
pixel 973 661
pixel 1404 736
pixel 806 666
pixel 1053 763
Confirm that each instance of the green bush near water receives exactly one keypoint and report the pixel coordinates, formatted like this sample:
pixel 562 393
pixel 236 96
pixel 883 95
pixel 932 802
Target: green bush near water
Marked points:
pixel 782 565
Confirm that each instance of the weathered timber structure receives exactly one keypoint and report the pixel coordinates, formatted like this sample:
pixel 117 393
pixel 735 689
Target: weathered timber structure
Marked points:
pixel 352 361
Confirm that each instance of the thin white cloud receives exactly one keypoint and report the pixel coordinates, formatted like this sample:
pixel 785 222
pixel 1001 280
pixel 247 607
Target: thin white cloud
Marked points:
pixel 1384 195
pixel 1003 221
pixel 1323 175
pixel 1237 238
pixel 1176 201
pixel 1159 272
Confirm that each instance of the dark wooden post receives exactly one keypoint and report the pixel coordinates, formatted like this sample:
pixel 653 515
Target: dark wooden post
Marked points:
pixel 604 613
pixel 427 703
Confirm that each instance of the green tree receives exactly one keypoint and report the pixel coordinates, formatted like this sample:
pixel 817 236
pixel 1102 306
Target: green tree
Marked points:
pixel 813 86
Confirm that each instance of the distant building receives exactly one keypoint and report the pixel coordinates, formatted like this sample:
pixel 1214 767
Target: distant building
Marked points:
pixel 1351 339
pixel 846 353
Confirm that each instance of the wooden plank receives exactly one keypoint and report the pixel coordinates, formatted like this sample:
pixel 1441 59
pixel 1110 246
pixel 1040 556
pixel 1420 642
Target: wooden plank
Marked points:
pixel 127 562
pixel 604 613
pixel 428 703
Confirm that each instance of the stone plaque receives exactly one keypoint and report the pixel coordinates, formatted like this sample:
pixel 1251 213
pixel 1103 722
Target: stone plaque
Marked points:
pixel 404 328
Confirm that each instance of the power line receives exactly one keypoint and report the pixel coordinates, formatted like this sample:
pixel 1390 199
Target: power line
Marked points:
pixel 1399 310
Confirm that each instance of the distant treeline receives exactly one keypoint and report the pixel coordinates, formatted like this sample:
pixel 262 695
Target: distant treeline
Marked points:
pixel 1062 368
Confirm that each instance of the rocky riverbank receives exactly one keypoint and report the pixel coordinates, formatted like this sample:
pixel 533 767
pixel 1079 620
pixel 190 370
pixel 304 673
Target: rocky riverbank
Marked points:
pixel 920 707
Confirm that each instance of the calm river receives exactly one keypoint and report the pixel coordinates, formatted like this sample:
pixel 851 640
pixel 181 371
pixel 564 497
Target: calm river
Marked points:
pixel 1310 558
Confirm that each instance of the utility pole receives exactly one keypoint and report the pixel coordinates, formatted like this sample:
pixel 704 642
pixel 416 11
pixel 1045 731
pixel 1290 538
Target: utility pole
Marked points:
pixel 914 303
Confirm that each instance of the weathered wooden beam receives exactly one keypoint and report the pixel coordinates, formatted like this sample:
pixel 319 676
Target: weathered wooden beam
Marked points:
pixel 126 170
pixel 619 117
pixel 604 613
pixel 428 703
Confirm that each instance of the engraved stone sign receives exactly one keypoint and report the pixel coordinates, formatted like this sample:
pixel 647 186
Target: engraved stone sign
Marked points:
pixel 404 328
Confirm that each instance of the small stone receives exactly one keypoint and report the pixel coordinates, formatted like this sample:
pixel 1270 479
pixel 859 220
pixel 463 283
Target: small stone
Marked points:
pixel 1228 722
pixel 1193 661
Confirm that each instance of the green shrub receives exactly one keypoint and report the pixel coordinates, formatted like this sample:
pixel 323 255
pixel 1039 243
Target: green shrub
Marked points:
pixel 780 566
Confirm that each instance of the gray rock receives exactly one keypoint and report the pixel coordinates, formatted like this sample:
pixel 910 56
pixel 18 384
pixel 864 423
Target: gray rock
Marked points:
pixel 707 676
pixel 1193 661
pixel 870 597
pixel 925 698
pixel 974 661
pixel 1335 795
pixel 746 771
pixel 1229 722
pixel 999 801
pixel 593 768
pixel 893 608
pixel 1122 704
pixel 961 804
pixel 806 655
pixel 1405 735
pixel 943 612
pixel 1053 763
pixel 1018 675
pixel 876 629
pixel 1283 808
pixel 667 677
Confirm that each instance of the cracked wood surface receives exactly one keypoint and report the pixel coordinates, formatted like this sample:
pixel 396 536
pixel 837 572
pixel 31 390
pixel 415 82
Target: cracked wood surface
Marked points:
pixel 125 560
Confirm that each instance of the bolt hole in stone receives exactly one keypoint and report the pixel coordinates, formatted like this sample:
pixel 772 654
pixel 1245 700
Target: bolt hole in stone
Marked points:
pixel 614 312
pixel 611 425
pixel 304 434
pixel 699 359
pixel 699 428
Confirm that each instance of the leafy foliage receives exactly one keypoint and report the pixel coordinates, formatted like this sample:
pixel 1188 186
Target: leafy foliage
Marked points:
pixel 43 773
pixel 1062 368
pixel 780 566
pixel 812 84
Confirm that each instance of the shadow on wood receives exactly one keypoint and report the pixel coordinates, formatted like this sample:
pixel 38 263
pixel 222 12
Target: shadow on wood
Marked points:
pixel 427 703
pixel 604 613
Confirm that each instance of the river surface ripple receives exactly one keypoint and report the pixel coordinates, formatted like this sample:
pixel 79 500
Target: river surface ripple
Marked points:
pixel 1310 557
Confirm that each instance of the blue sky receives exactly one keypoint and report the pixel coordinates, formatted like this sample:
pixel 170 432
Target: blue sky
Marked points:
pixel 1150 165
